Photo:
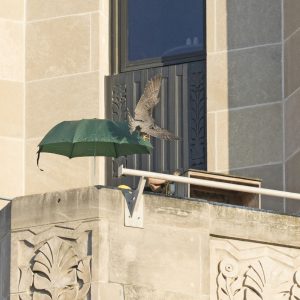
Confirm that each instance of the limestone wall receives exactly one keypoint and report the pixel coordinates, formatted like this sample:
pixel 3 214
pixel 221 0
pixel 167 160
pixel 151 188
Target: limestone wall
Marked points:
pixel 292 97
pixel 74 243
pixel 245 91
pixel 53 59
pixel 12 50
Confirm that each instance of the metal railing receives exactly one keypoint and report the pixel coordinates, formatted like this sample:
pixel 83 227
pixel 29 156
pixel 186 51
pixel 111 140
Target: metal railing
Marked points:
pixel 209 183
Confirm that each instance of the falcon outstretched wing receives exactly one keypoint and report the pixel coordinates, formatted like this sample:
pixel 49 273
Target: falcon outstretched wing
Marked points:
pixel 161 133
pixel 148 100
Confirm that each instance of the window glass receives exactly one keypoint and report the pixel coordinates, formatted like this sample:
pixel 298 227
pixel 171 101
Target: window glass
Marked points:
pixel 164 28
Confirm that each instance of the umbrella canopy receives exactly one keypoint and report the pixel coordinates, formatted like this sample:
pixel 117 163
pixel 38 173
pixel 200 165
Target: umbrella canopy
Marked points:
pixel 93 137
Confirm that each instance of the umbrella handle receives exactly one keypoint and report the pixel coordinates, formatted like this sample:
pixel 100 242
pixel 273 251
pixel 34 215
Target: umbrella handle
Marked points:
pixel 38 158
pixel 94 176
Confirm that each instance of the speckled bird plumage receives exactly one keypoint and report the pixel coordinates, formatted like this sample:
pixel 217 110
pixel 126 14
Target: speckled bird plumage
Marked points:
pixel 143 120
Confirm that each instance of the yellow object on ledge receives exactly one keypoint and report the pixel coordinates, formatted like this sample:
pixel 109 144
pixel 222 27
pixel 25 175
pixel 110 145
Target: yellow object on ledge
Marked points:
pixel 124 187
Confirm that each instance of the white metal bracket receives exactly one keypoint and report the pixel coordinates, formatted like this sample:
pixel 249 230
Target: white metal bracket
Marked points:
pixel 134 204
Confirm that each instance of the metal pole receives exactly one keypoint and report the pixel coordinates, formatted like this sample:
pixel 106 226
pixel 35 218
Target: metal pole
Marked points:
pixel 209 183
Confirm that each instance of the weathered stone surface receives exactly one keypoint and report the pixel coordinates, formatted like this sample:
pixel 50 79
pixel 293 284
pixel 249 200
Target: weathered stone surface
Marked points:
pixel 291 64
pixel 68 98
pixel 5 256
pixel 107 291
pixel 292 182
pixel 76 204
pixel 210 26
pixel 185 214
pixel 111 210
pixel 136 293
pixel 291 17
pixel 272 178
pixel 3 203
pixel 55 8
pixel 12 9
pixel 5 219
pixel 187 250
pixel 250 136
pixel 211 141
pixel 217 82
pixel 255 76
pixel 243 23
pixel 11 174
pixel 254 225
pixel 65 206
pixel 12 108
pixel 5 250
pixel 95 41
pixel 244 78
pixel 11 50
pixel 153 257
pixel 292 124
pixel 64 48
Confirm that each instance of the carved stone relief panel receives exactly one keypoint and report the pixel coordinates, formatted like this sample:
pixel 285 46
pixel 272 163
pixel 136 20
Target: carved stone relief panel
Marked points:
pixel 197 116
pixel 54 262
pixel 119 102
pixel 251 271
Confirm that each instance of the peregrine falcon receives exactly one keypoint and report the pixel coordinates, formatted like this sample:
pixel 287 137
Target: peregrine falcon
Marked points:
pixel 143 121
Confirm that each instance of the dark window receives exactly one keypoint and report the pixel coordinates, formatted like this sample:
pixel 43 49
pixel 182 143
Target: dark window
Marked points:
pixel 161 31
pixel 149 37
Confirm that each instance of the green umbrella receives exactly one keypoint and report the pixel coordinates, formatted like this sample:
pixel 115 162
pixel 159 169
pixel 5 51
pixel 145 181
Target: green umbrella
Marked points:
pixel 93 137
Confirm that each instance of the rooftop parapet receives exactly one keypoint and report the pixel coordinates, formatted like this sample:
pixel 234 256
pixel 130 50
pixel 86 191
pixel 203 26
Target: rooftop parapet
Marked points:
pixel 187 249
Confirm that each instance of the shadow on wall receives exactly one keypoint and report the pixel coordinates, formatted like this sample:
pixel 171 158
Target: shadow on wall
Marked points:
pixel 249 33
pixel 292 99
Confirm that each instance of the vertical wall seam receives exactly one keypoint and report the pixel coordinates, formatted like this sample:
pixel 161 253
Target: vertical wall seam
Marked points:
pixel 92 161
pixel 24 98
pixel 215 26
pixel 283 102
pixel 216 142
pixel 104 32
pixel 90 42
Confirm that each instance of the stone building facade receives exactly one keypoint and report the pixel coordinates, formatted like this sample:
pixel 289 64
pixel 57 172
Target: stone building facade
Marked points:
pixel 51 69
pixel 186 250
pixel 252 65
pixel 54 57
pixel 72 244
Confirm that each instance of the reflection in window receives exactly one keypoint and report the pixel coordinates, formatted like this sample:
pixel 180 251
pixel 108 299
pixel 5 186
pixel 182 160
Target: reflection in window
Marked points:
pixel 162 28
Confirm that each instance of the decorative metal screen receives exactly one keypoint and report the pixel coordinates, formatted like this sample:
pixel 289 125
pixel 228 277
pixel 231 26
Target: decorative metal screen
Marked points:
pixel 182 110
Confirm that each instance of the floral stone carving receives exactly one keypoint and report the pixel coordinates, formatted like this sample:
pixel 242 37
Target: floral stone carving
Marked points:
pixel 255 283
pixel 295 291
pixel 58 273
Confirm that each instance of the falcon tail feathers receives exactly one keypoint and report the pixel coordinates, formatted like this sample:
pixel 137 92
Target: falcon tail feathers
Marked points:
pixel 161 133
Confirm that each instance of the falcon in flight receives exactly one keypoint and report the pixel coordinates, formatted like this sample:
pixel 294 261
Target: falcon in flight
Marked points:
pixel 143 121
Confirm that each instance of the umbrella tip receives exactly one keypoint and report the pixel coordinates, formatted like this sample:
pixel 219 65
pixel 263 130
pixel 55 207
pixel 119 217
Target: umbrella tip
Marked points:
pixel 120 171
